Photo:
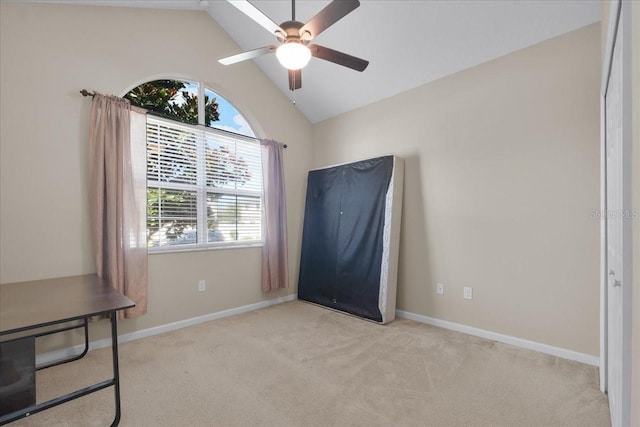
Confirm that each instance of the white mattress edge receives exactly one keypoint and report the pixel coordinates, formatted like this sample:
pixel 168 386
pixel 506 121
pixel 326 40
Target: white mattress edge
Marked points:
pixel 391 243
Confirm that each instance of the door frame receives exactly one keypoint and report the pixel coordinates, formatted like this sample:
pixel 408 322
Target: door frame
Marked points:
pixel 619 12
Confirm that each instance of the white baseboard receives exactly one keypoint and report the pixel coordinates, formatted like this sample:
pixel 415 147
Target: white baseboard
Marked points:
pixel 67 352
pixel 506 339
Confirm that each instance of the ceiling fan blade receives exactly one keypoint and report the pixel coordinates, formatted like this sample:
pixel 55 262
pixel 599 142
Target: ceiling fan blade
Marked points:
pixel 328 16
pixel 338 57
pixel 250 54
pixel 257 15
pixel 295 79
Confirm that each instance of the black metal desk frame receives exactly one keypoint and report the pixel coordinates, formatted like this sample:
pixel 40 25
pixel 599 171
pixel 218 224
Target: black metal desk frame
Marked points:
pixel 84 319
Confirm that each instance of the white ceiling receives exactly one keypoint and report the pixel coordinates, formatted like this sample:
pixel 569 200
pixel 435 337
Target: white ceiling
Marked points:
pixel 408 43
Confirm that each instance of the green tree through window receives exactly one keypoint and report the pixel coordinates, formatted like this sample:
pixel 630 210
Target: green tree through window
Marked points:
pixel 163 98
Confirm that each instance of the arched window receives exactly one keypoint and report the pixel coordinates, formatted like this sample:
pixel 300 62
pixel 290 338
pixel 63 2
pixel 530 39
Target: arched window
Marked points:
pixel 204 177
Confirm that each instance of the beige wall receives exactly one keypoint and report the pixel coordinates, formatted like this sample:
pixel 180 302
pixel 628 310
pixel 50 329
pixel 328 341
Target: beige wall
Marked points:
pixel 502 172
pixel 49 53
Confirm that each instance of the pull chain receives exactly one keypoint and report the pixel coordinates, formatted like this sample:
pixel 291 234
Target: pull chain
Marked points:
pixel 293 88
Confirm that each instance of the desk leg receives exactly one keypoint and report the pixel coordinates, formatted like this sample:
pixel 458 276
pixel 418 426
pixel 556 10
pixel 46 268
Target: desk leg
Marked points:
pixel 115 382
pixel 84 325
pixel 116 371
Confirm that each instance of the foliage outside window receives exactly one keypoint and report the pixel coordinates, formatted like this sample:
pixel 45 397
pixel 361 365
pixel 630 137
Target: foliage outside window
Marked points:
pixel 204 184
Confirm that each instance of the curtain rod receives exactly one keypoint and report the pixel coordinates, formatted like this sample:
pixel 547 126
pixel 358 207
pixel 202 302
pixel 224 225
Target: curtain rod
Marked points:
pixel 85 92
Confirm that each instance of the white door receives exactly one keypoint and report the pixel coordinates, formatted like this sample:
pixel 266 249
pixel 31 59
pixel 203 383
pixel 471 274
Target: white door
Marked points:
pixel 618 235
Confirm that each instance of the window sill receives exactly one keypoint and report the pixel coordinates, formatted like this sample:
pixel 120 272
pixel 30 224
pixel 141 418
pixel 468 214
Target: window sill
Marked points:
pixel 198 248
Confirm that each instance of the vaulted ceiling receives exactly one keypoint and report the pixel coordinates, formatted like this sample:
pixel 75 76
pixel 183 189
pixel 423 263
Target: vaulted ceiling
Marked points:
pixel 408 43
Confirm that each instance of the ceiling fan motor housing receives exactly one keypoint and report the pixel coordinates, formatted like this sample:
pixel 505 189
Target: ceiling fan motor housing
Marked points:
pixel 292 28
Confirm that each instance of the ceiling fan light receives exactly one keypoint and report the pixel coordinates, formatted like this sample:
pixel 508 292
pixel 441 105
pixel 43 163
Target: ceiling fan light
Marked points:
pixel 293 55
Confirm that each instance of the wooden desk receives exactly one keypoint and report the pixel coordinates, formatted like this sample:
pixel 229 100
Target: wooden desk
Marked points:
pixel 27 307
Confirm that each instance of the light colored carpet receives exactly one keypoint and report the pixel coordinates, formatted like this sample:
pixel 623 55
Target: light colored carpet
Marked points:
pixel 296 364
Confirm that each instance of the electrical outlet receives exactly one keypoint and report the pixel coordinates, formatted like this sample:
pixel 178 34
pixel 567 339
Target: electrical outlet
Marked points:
pixel 440 289
pixel 468 293
pixel 202 285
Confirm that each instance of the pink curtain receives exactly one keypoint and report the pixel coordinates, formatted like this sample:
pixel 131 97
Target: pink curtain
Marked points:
pixel 117 179
pixel 275 269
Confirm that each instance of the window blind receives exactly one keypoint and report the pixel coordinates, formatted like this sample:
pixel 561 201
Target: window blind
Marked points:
pixel 203 185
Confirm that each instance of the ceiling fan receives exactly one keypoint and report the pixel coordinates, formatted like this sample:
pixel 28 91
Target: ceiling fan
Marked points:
pixel 294 52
